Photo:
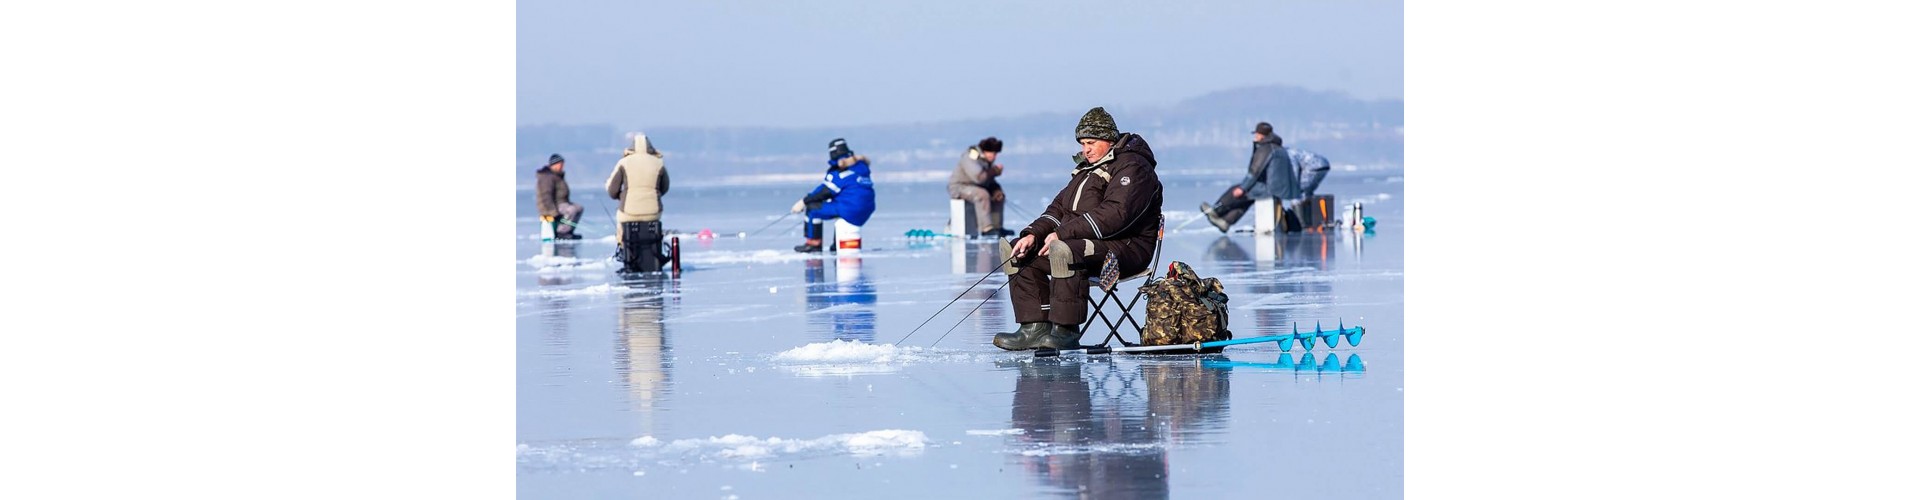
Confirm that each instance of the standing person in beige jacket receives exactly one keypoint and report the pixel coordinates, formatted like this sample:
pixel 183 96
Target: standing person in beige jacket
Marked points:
pixel 638 181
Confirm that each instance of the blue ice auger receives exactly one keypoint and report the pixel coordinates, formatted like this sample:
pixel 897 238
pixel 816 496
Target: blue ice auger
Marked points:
pixel 1307 339
pixel 1286 363
pixel 927 233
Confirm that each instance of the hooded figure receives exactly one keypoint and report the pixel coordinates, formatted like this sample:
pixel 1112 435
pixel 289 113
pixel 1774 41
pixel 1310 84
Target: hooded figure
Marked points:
pixel 845 193
pixel 1109 209
pixel 551 196
pixel 638 181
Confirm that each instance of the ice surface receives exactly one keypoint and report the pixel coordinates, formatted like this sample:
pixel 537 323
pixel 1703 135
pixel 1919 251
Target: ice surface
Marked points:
pixel 787 375
pixel 727 448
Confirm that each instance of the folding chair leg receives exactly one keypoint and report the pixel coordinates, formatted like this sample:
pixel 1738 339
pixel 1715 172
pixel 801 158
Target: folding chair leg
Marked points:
pixel 1113 326
pixel 1128 310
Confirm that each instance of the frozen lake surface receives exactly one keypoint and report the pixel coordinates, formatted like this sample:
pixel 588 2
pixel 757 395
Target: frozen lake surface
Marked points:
pixel 761 373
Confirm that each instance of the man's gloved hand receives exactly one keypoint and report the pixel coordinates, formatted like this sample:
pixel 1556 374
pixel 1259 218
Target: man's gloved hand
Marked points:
pixel 799 206
pixel 546 218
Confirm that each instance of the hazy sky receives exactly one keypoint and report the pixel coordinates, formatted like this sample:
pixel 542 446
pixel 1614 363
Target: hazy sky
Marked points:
pixel 845 62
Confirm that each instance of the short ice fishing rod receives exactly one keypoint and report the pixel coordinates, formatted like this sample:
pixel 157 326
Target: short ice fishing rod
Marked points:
pixel 756 232
pixel 1285 340
pixel 963 294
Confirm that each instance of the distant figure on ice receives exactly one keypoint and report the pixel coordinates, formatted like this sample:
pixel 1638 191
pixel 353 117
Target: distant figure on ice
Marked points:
pixel 1269 173
pixel 550 194
pixel 974 180
pixel 847 193
pixel 1110 208
pixel 638 181
pixel 1310 168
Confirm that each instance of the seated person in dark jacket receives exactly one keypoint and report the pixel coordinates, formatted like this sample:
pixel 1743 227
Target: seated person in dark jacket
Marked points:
pixel 1269 174
pixel 1109 209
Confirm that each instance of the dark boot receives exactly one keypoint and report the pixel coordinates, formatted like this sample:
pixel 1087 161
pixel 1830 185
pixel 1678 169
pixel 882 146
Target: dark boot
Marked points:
pixel 1061 337
pixel 811 246
pixel 1214 218
pixel 1028 336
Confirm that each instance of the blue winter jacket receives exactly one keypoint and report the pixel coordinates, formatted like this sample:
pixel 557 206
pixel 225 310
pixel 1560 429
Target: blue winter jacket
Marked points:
pixel 850 189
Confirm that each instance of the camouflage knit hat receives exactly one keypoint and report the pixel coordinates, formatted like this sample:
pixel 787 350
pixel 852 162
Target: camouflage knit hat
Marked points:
pixel 1097 124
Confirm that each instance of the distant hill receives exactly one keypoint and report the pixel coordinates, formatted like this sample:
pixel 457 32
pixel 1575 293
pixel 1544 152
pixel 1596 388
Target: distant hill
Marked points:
pixel 1205 135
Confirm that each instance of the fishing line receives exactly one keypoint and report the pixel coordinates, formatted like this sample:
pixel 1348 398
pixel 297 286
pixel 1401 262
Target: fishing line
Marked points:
pixel 963 294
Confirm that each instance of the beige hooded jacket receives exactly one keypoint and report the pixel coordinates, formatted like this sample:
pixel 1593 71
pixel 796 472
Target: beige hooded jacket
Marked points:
pixel 638 181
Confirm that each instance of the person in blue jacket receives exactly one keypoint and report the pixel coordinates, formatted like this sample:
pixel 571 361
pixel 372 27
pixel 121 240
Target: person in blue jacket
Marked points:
pixel 846 193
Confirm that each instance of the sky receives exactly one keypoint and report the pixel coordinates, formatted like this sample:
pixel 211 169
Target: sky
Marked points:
pixel 855 62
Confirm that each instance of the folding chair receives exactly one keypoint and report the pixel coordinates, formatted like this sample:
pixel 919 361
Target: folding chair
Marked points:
pixel 1107 285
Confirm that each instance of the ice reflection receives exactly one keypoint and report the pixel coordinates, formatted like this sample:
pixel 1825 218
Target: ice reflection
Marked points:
pixel 840 307
pixel 642 355
pixel 1330 364
pixel 1102 428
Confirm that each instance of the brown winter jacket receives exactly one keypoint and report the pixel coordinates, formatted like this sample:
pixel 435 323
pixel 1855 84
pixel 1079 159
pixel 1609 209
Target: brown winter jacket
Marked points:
pixel 1113 198
pixel 550 190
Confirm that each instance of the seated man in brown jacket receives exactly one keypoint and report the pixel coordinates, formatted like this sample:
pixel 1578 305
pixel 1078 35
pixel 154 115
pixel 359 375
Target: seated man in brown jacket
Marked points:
pixel 1110 208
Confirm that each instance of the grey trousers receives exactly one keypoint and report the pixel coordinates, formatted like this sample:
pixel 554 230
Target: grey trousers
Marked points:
pixel 571 213
pixel 987 213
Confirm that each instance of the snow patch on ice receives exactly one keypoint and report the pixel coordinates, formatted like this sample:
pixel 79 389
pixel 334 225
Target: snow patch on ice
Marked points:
pixel 844 358
pixel 592 291
pixel 551 263
pixel 841 351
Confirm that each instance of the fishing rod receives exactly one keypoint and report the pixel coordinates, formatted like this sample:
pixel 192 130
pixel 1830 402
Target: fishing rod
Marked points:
pixel 963 294
pixel 1189 221
pixel 1285 340
pixel 756 232
pixel 963 319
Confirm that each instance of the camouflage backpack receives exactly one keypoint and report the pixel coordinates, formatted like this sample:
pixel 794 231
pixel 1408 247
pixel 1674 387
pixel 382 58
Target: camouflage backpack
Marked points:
pixel 1184 308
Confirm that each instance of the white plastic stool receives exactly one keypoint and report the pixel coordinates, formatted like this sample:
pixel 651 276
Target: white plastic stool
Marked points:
pixel 1263 216
pixel 546 238
pixel 846 237
pixel 960 213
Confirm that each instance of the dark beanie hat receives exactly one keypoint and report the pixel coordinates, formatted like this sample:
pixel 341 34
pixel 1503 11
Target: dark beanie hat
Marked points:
pixel 1263 128
pixel 555 159
pixel 1097 124
pixel 838 148
pixel 989 145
